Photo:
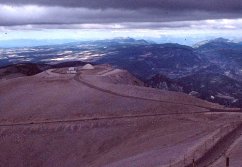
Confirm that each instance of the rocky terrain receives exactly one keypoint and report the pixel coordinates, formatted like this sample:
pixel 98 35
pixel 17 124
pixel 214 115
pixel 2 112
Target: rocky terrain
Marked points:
pixel 105 117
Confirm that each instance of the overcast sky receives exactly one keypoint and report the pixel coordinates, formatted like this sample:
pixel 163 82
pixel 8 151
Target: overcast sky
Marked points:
pixel 92 19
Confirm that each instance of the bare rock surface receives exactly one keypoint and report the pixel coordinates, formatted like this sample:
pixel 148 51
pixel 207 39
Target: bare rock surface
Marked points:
pixel 100 117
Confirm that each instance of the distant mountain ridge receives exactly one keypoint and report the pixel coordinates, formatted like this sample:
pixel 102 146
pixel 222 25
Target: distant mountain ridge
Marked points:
pixel 217 43
pixel 18 43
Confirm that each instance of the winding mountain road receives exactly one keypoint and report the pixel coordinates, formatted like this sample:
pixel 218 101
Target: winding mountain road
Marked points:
pixel 79 79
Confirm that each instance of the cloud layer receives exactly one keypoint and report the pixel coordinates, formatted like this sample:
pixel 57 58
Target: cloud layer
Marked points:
pixel 25 12
pixel 92 19
pixel 170 5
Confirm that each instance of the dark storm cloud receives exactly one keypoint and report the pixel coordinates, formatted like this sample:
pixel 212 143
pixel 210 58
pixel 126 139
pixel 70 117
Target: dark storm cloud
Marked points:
pixel 205 5
pixel 68 12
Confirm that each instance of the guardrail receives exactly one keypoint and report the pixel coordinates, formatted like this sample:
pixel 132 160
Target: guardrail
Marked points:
pixel 195 156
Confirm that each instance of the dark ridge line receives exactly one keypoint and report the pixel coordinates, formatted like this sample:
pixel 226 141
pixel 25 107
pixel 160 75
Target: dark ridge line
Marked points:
pixel 108 118
pixel 99 118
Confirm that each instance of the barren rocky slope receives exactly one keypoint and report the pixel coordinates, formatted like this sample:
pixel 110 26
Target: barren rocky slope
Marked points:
pixel 101 117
